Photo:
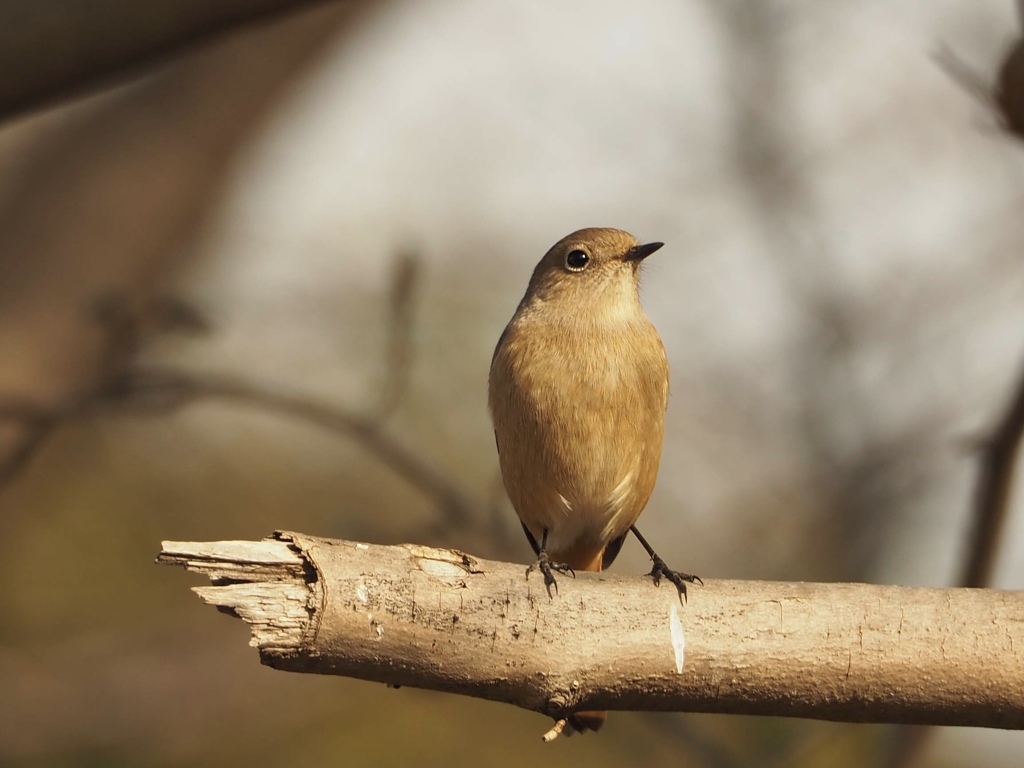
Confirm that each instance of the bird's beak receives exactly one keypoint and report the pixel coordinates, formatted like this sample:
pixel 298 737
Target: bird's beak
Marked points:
pixel 640 252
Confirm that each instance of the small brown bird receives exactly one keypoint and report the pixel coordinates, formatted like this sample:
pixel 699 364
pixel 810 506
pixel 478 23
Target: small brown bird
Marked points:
pixel 578 390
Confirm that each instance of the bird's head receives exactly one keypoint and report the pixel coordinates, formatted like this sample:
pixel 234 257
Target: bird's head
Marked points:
pixel 591 270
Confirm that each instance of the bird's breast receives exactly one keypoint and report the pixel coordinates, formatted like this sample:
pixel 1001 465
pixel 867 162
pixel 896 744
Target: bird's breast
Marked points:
pixel 578 414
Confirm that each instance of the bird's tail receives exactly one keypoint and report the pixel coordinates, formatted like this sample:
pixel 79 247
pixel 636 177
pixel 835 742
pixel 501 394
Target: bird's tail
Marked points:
pixel 587 721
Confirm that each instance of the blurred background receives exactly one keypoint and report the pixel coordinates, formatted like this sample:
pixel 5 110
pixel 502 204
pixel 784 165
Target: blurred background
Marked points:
pixel 256 285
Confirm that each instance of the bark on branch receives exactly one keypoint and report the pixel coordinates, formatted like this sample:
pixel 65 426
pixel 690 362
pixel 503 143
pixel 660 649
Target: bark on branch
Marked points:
pixel 441 619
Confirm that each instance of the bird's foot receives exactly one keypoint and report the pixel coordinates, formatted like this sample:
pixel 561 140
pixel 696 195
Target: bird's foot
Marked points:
pixel 546 567
pixel 677 578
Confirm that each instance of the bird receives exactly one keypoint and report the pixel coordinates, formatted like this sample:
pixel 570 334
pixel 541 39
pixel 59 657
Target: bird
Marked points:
pixel 577 391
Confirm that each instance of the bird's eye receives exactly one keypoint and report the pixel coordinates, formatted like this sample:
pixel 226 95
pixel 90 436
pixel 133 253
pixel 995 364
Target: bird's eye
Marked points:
pixel 576 261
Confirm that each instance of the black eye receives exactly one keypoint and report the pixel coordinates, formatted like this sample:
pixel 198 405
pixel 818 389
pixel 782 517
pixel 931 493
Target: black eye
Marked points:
pixel 576 260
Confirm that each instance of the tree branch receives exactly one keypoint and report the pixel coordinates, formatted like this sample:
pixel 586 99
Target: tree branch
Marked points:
pixel 441 619
pixel 172 388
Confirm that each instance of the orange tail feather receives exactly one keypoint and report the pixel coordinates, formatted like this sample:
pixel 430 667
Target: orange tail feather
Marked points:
pixel 580 558
pixel 587 721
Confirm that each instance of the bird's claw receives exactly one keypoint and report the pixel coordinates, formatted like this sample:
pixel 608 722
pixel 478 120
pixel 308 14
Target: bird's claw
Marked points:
pixel 548 569
pixel 678 579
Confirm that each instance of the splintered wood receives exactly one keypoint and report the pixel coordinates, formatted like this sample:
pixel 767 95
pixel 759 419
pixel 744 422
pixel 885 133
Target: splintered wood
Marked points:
pixel 261 582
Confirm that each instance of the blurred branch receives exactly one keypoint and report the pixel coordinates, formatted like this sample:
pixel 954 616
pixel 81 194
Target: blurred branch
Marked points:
pixel 999 457
pixel 151 390
pixel 165 388
pixel 36 424
pixel 50 48
pixel 961 73
pixel 443 620
pixel 127 324
pixel 994 486
pixel 1006 98
pixel 994 490
pixel 404 284
pixel 156 391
